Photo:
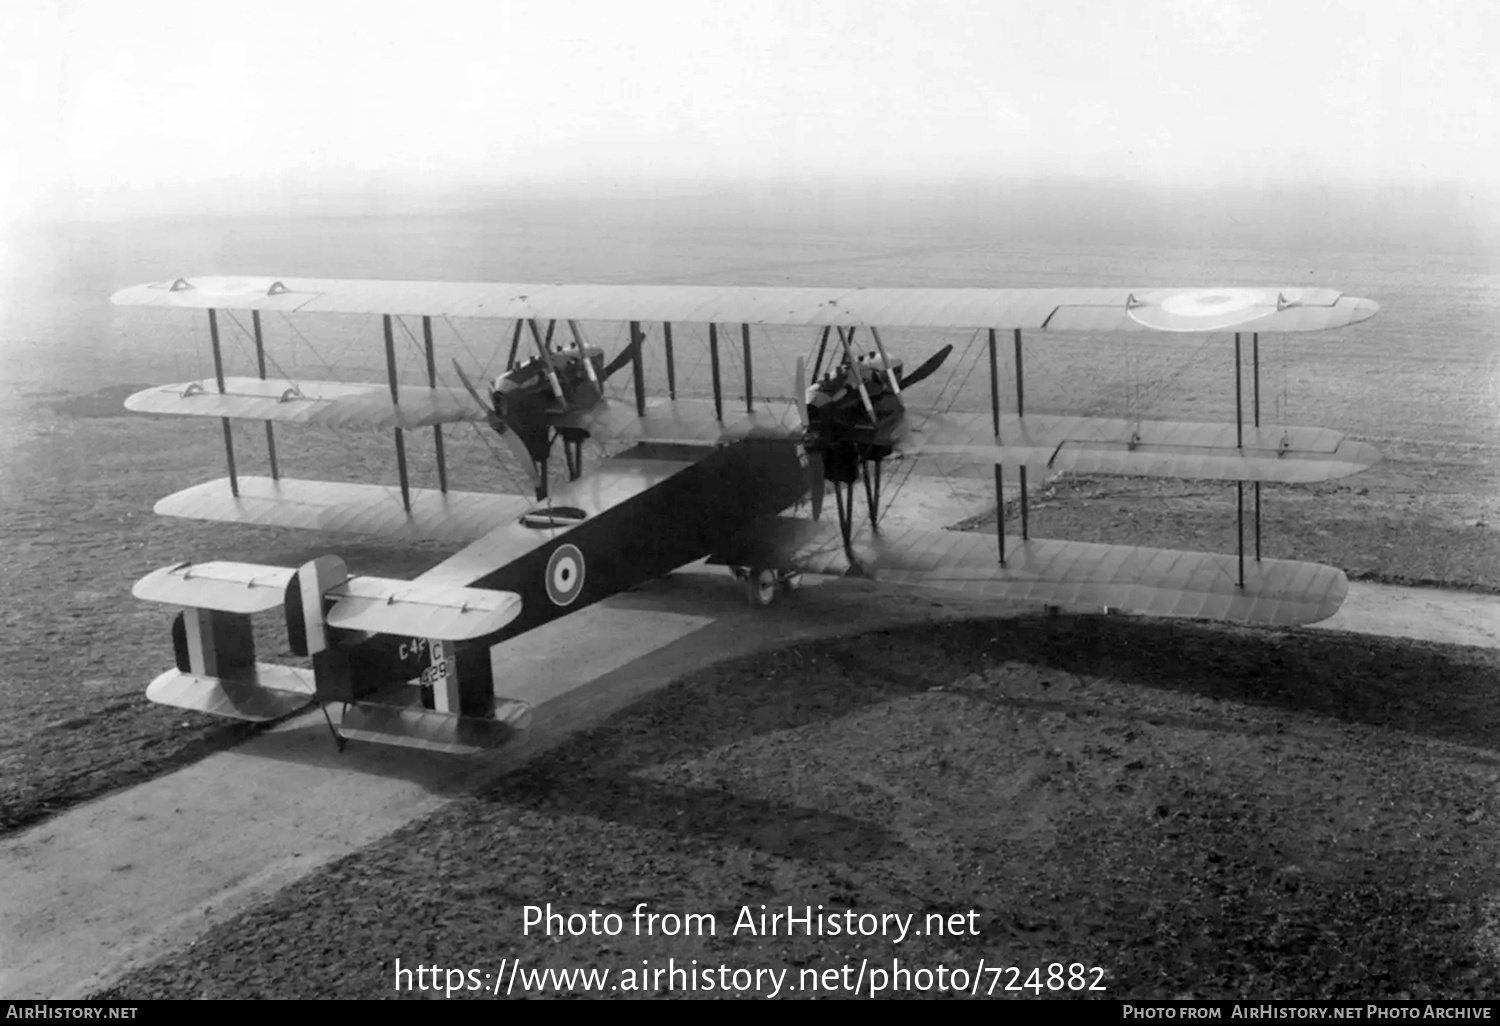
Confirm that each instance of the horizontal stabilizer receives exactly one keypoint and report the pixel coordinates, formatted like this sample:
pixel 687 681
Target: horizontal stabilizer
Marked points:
pixel 339 506
pixel 384 606
pixel 433 731
pixel 1083 575
pixel 228 587
pixel 333 404
pixel 268 692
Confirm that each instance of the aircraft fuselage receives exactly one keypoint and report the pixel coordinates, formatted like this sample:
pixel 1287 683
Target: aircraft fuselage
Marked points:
pixel 686 517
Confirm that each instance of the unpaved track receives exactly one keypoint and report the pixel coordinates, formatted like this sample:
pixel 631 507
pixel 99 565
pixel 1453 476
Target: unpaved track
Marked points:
pixel 119 881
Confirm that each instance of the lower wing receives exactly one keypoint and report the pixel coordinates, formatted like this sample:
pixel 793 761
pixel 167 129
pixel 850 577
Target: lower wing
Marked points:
pixel 1153 582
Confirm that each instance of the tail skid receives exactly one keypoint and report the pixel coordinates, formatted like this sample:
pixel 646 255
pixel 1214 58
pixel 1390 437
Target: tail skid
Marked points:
pixel 349 627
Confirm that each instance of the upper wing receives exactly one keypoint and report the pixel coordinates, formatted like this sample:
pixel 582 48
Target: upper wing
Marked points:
pixel 335 404
pixel 1067 309
pixel 1155 582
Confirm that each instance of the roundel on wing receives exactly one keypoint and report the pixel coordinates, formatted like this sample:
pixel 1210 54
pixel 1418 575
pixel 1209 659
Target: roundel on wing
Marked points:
pixel 1204 309
pixel 565 572
pixel 1211 302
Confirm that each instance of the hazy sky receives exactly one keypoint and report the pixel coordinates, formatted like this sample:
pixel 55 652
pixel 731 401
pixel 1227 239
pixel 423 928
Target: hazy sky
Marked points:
pixel 101 100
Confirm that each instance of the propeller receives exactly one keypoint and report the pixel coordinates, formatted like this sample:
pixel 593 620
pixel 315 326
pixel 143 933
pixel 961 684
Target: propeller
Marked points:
pixel 815 480
pixel 512 439
pixel 927 369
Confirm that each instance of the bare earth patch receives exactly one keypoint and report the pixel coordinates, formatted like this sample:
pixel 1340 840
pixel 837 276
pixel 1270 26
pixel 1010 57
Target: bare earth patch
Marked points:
pixel 1199 810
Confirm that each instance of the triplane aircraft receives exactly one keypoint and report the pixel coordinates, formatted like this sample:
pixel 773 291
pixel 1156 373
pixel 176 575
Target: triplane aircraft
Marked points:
pixel 698 480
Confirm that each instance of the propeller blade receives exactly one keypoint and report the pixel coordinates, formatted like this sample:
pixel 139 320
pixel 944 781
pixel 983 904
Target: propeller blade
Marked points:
pixel 885 361
pixel 801 391
pixel 545 349
pixel 511 438
pixel 927 369
pixel 858 383
pixel 851 371
pixel 815 481
pixel 472 390
pixel 523 454
pixel 623 358
pixel 583 351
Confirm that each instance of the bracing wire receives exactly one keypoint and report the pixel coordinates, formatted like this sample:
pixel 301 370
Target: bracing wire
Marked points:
pixel 245 335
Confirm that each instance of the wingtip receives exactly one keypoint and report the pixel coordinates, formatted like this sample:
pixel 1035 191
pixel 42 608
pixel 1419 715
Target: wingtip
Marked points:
pixel 1366 456
pixel 512 607
pixel 127 295
pixel 1362 309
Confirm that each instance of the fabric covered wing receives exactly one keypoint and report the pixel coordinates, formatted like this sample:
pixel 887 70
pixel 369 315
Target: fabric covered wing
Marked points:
pixel 1104 445
pixel 1097 445
pixel 265 692
pixel 337 506
pixel 387 606
pixel 1285 309
pixel 229 587
pixel 1154 582
pixel 335 404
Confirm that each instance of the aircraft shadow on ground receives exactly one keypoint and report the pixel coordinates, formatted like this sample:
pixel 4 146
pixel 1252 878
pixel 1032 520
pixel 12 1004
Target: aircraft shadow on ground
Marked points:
pixel 1441 692
pixel 584 771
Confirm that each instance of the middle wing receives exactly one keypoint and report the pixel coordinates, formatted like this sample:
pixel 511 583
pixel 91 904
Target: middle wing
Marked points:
pixel 1143 448
pixel 339 506
pixel 1101 445
pixel 1107 445
pixel 336 404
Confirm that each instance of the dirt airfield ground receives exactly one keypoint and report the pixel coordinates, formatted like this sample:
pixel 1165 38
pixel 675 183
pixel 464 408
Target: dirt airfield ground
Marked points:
pixel 1198 810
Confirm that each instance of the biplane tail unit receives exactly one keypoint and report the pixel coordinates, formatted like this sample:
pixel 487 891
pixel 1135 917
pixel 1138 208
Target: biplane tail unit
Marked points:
pixel 690 479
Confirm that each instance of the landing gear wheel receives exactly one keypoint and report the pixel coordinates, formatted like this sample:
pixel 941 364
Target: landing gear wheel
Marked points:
pixel 761 586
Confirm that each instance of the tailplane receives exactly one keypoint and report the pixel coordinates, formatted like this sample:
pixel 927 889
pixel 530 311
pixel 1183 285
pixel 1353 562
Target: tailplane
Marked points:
pixel 367 638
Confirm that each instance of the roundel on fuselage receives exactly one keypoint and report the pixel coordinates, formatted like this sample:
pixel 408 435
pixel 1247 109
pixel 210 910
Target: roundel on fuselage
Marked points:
pixel 565 573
